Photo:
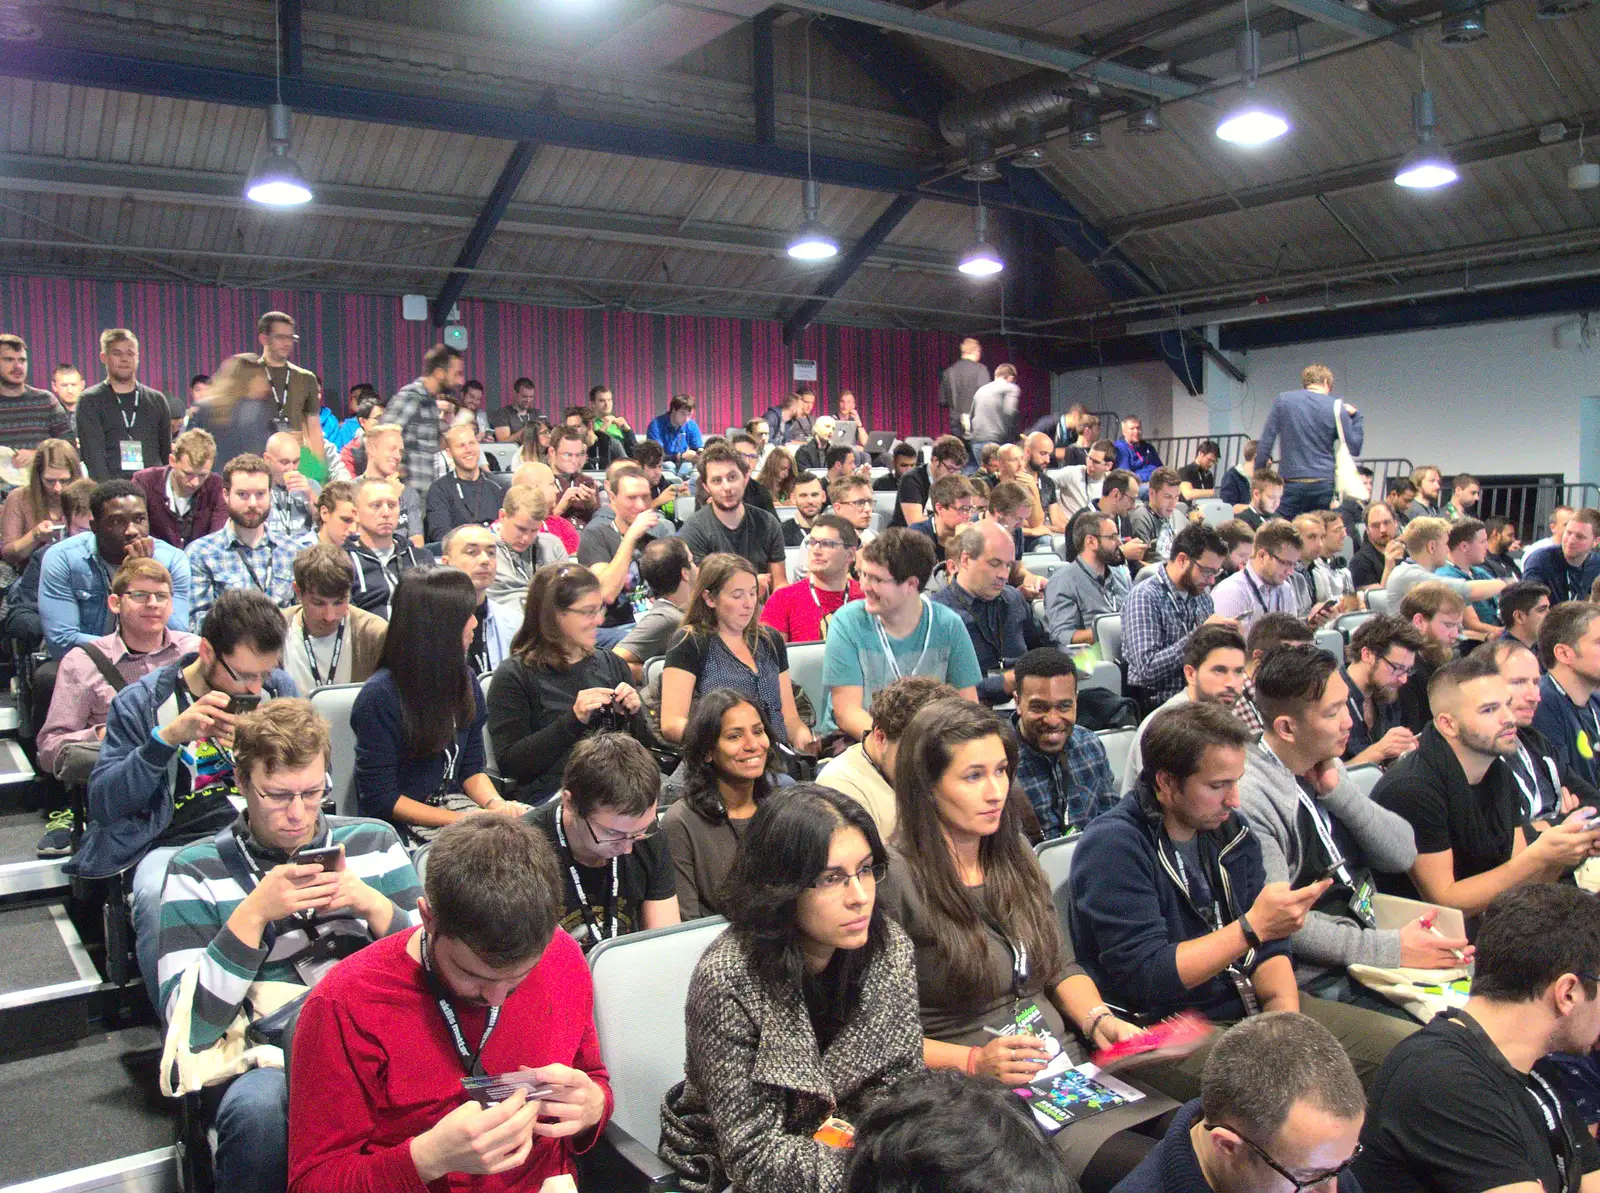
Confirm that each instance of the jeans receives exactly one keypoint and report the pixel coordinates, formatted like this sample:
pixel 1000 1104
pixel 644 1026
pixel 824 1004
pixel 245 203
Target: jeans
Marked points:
pixel 149 876
pixel 609 635
pixel 1304 497
pixel 252 1120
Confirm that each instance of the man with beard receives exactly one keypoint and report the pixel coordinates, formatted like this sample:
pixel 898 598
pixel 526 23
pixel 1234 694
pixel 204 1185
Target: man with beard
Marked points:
pixel 1080 485
pixel 1213 673
pixel 1312 819
pixel 1382 653
pixel 1263 585
pixel 1550 789
pixel 1061 766
pixel 727 523
pixel 1435 612
pixel 415 410
pixel 1463 805
pixel 1569 643
pixel 809 501
pixel 246 552
pixel 1161 614
pixel 1094 583
pixel 27 415
pixel 1503 544
pixel 1523 608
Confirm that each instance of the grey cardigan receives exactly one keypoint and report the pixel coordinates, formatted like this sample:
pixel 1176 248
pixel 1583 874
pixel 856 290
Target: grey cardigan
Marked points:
pixel 756 1087
pixel 1381 840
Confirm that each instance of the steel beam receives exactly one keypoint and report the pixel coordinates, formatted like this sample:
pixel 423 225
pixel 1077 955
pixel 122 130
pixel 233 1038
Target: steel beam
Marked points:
pixel 847 266
pixel 882 15
pixel 494 207
pixel 1364 26
pixel 762 78
pixel 214 84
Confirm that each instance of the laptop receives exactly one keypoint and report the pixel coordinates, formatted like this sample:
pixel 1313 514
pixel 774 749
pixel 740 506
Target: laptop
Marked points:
pixel 879 443
pixel 844 433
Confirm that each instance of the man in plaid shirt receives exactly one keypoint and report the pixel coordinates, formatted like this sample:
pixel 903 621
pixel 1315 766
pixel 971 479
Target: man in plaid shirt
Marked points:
pixel 1063 768
pixel 415 410
pixel 1164 610
pixel 246 552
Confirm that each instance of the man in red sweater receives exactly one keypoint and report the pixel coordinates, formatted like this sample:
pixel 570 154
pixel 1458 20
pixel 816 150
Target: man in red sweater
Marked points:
pixel 486 986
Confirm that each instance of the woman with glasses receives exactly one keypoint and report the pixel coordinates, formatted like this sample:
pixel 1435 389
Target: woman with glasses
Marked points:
pixel 728 770
pixel 1000 991
pixel 419 720
pixel 557 686
pixel 723 646
pixel 801 1015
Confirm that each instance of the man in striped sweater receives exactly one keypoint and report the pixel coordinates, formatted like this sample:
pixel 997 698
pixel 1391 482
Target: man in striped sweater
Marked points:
pixel 239 909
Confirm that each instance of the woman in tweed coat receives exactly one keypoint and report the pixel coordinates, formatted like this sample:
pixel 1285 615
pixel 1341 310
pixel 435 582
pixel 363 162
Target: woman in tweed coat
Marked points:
pixel 804 1010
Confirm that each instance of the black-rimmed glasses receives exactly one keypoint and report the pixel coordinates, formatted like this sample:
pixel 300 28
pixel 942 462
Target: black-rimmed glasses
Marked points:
pixel 1300 1184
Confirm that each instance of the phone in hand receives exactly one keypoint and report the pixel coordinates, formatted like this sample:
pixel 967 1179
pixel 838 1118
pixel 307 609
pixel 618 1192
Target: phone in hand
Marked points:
pixel 243 702
pixel 329 857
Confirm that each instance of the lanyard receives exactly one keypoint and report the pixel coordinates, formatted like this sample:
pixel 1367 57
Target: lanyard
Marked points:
pixel 597 931
pixel 1215 917
pixel 517 563
pixel 129 419
pixel 1594 719
pixel 888 650
pixel 452 752
pixel 1318 819
pixel 282 399
pixel 1255 591
pixel 311 656
pixel 1533 796
pixel 472 1062
pixel 1554 1123
pixel 244 558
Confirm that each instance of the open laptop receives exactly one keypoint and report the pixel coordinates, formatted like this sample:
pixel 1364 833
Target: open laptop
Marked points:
pixel 879 443
pixel 844 433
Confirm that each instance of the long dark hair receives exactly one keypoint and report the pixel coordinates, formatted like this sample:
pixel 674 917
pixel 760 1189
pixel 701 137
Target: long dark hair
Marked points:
pixel 781 488
pixel 699 744
pixel 784 851
pixel 555 588
pixel 1013 884
pixel 423 653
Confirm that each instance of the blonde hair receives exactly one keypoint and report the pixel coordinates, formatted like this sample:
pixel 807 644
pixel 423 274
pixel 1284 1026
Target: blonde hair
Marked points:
pixel 1419 532
pixel 196 446
pixel 1316 375
pixel 383 430
pixel 117 335
pixel 525 499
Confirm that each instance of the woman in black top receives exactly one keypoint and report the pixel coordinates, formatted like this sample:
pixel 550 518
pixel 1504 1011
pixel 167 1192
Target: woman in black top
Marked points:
pixel 1000 991
pixel 777 477
pixel 555 686
pixel 723 645
pixel 803 1010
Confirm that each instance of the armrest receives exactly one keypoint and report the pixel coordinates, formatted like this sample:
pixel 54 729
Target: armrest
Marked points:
pixel 619 1163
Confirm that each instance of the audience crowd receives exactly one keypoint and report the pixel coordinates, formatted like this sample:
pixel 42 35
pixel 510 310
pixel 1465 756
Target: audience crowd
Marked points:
pixel 1324 765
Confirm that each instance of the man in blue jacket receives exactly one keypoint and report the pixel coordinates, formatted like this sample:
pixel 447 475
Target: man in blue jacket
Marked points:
pixel 1304 420
pixel 1569 708
pixel 1570 566
pixel 165 775
pixel 1171 910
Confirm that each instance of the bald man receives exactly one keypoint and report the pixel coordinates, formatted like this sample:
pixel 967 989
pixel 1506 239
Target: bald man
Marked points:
pixel 997 616
pixel 293 496
pixel 473 549
pixel 466 494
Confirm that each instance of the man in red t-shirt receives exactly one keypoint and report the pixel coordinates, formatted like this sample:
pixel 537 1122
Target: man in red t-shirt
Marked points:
pixel 487 986
pixel 800 612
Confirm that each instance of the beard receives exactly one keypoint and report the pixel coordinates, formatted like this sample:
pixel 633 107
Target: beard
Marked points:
pixel 249 519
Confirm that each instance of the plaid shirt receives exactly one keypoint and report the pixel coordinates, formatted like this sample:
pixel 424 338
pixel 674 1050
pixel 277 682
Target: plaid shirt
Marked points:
pixel 1065 803
pixel 220 561
pixel 1245 709
pixel 1157 620
pixel 416 412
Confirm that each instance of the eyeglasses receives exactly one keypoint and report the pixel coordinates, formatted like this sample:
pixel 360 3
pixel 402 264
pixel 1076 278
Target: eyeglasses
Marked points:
pixel 140 597
pixel 857 502
pixel 611 838
pixel 587 612
pixel 1208 573
pixel 1319 1178
pixel 825 544
pixel 837 880
pixel 280 800
pixel 1400 669
pixel 244 677
pixel 1282 562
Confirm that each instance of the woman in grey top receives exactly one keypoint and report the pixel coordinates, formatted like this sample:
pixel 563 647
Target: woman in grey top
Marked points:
pixel 1000 991
pixel 804 1011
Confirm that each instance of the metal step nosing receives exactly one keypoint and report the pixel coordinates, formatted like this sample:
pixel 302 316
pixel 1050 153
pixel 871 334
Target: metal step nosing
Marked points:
pixel 77 988
pixel 155 1171
pixel 23 878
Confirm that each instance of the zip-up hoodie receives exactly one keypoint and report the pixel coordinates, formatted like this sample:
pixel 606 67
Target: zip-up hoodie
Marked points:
pixel 1371 836
pixel 130 791
pixel 375 583
pixel 1130 911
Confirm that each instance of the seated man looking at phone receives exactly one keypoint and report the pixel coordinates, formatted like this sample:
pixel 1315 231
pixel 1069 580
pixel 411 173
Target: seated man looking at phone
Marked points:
pixel 279 895
pixel 165 777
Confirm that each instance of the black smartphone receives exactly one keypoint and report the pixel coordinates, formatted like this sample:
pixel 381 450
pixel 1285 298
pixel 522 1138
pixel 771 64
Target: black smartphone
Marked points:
pixel 242 703
pixel 329 857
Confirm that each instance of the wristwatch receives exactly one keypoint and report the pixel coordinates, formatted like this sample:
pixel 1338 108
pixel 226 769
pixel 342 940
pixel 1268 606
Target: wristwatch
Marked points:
pixel 1250 937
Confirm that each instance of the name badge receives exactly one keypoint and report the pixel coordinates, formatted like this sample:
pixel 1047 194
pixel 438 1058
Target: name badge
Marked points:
pixel 132 455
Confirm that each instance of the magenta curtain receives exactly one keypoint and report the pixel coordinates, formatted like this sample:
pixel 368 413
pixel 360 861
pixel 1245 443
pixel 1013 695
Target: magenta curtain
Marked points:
pixel 735 368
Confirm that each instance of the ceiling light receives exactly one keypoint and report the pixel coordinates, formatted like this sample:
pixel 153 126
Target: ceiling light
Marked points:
pixel 1252 122
pixel 981 260
pixel 1085 127
pixel 278 181
pixel 1028 136
pixel 979 166
pixel 1554 10
pixel 1144 121
pixel 1465 22
pixel 1428 166
pixel 812 242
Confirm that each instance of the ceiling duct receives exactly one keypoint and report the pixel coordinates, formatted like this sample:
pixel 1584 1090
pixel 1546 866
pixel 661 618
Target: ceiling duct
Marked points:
pixel 981 166
pixel 17 23
pixel 1018 112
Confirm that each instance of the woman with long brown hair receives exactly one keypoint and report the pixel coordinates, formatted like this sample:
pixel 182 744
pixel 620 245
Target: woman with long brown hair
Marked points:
pixel 32 516
pixel 777 477
pixel 240 411
pixel 556 686
pixel 1000 991
pixel 723 645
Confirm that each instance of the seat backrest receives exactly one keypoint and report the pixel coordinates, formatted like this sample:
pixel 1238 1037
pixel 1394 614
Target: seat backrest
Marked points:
pixel 1055 859
pixel 795 562
pixel 1214 512
pixel 488 745
pixel 1146 572
pixel 805 671
pixel 652 672
pixel 642 1038
pixel 1108 633
pixel 1366 777
pixel 1378 600
pixel 503 454
pixel 1105 675
pixel 419 861
pixel 1041 564
pixel 1349 623
pixel 1117 743
pixel 1330 642
pixel 333 704
pixel 883 503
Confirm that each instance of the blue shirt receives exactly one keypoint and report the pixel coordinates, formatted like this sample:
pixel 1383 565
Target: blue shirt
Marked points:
pixel 1069 789
pixel 1573 730
pixel 1549 567
pixel 1303 420
pixel 855 657
pixel 1138 458
pixel 220 561
pixel 674 441
pixel 1488 611
pixel 75 581
pixel 1002 630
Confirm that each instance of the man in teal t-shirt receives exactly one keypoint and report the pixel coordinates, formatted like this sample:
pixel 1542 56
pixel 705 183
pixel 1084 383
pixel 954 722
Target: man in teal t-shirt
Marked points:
pixel 894 632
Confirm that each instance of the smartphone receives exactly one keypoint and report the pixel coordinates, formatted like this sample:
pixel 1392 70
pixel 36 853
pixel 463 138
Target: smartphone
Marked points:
pixel 240 704
pixel 329 857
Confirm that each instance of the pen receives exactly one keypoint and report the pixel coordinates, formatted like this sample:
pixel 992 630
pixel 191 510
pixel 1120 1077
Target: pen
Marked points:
pixel 1427 922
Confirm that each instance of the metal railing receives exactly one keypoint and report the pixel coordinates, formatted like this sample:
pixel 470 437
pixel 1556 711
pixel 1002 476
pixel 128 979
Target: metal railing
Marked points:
pixel 1178 450
pixel 1384 467
pixel 1527 501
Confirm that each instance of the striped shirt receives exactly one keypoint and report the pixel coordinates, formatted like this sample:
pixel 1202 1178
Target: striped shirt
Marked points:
pixel 200 895
pixel 32 415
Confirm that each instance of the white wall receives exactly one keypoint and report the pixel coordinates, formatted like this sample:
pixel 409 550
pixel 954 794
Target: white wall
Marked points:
pixel 1491 398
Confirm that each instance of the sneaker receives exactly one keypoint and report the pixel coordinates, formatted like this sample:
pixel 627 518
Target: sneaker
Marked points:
pixel 57 839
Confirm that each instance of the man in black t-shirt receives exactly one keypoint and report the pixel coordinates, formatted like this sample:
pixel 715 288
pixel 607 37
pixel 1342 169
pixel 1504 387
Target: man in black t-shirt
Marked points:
pixel 728 522
pixel 617 874
pixel 611 548
pixel 1199 480
pixel 1473 1102
pixel 902 460
pixel 949 456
